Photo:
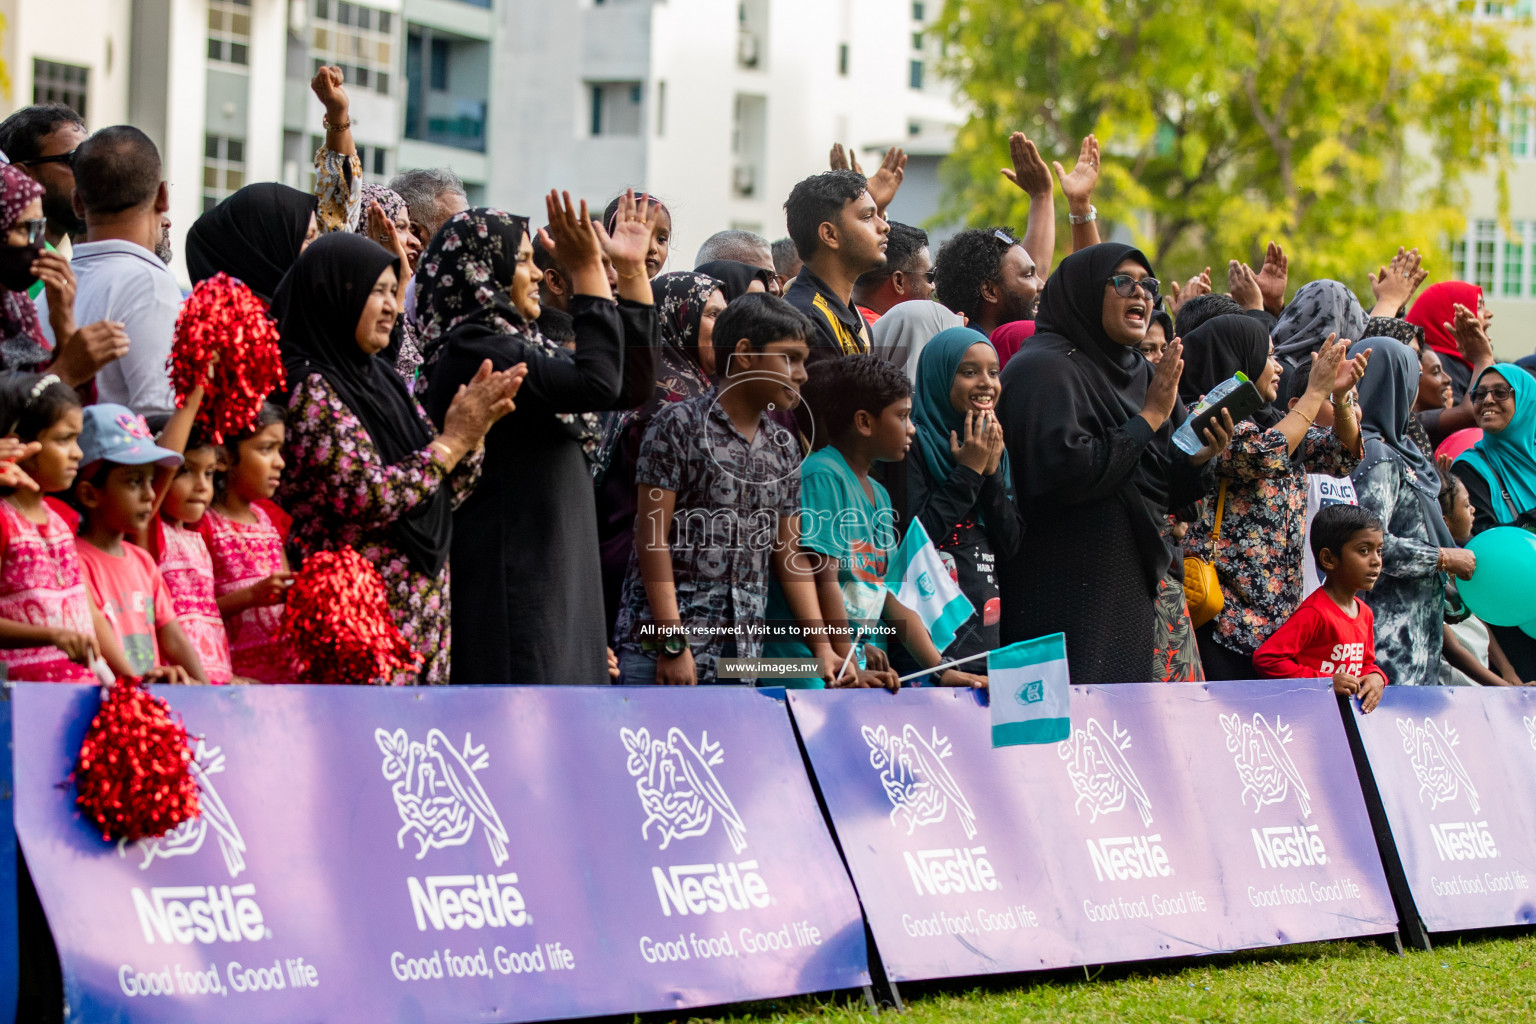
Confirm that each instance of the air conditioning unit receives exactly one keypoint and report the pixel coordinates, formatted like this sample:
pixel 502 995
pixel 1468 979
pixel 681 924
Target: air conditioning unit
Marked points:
pixel 744 180
pixel 747 50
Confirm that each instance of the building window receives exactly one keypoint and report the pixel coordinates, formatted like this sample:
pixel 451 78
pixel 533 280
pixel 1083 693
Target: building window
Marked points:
pixel 661 108
pixel 68 84
pixel 614 108
pixel 915 74
pixel 357 38
pixel 1498 9
pixel 1513 285
pixel 842 59
pixel 918 11
pixel 223 168
pixel 1518 129
pixel 229 31
pixel 917 40
pixel 1484 249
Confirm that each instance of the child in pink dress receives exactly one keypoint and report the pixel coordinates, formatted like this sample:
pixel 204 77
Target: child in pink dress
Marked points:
pixel 47 624
pixel 185 562
pixel 250 569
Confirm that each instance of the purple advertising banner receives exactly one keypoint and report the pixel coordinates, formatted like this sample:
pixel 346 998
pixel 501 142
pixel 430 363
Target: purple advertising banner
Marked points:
pixel 1454 766
pixel 466 854
pixel 1175 819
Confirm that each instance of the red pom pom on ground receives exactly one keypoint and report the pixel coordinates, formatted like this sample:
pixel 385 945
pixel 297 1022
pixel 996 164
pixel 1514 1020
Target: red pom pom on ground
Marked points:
pixel 337 623
pixel 225 342
pixel 133 777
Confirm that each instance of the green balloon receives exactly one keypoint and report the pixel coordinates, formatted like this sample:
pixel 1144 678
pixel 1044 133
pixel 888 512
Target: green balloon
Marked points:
pixel 1502 592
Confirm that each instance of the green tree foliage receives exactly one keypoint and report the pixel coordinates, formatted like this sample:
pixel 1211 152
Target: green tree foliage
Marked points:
pixel 1342 128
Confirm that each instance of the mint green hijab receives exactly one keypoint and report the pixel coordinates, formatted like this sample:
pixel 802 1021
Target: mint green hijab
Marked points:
pixel 932 411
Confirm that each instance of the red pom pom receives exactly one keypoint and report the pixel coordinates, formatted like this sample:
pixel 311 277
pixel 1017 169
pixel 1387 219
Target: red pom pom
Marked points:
pixel 222 318
pixel 337 623
pixel 133 777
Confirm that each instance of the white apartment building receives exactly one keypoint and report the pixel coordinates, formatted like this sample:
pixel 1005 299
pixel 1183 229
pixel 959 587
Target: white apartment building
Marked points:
pixel 1500 255
pixel 717 106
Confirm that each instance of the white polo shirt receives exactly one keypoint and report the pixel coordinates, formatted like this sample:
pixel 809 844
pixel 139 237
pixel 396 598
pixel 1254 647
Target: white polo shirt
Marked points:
pixel 118 280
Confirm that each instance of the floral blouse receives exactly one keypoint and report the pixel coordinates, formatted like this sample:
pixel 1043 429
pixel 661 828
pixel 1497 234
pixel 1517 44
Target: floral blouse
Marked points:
pixel 340 493
pixel 1260 552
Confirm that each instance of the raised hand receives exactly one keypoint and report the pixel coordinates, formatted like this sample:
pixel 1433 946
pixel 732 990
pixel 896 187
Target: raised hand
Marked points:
pixel 630 238
pixel 971 451
pixel 1200 284
pixel 994 442
pixel 1329 368
pixel 1163 391
pixel 1216 437
pixel 1029 171
pixel 1243 285
pixel 1394 284
pixel 59 285
pixel 887 179
pixel 1471 336
pixel 1272 278
pixel 838 158
pixel 327 87
pixel 1078 186
pixel 88 350
pixel 571 239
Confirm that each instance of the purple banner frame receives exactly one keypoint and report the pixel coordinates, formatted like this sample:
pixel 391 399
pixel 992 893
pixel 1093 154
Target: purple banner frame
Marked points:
pixel 1454 767
pixel 1176 819
pixel 473 854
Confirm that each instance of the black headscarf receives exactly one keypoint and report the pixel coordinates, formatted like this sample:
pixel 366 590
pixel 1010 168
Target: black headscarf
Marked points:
pixel 734 276
pixel 317 307
pixel 1095 385
pixel 254 235
pixel 1221 347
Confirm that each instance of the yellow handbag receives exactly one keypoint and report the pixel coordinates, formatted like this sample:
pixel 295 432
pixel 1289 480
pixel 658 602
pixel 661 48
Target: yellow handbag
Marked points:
pixel 1202 589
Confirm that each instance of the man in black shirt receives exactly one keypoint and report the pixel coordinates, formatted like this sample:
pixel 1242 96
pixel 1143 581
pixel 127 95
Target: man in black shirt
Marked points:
pixel 840 235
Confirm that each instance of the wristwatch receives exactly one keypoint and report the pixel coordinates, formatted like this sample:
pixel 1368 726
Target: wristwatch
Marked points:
pixel 1087 218
pixel 1347 401
pixel 674 644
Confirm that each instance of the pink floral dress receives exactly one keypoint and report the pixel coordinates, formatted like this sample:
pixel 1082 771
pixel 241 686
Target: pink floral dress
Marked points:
pixel 245 554
pixel 41 584
pixel 187 568
pixel 339 493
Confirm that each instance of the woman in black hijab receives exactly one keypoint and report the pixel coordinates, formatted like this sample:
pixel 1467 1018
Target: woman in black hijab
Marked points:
pixel 736 278
pixel 1261 482
pixel 364 467
pixel 254 235
pixel 527 578
pixel 1088 422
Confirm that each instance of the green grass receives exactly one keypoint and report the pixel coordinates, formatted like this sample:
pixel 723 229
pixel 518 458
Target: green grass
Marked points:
pixel 1479 979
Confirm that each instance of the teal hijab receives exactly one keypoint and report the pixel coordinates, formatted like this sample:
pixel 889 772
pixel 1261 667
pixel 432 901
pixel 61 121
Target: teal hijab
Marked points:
pixel 931 409
pixel 1507 459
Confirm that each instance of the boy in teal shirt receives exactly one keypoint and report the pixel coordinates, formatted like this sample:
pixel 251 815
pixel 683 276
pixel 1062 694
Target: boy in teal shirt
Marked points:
pixel 848 527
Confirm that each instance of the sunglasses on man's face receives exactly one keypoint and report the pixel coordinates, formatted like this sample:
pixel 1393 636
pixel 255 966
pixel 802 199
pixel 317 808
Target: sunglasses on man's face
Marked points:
pixel 930 274
pixel 1498 394
pixel 1125 286
pixel 57 158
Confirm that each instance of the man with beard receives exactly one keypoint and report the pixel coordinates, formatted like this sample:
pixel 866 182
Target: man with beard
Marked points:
pixel 986 276
pixel 41 140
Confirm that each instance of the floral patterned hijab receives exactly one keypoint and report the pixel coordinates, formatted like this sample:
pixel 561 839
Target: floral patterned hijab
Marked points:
pixel 22 345
pixel 461 282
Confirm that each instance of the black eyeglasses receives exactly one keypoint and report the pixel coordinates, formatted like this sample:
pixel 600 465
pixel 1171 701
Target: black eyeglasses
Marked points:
pixel 1125 286
pixel 1498 394
pixel 930 274
pixel 33 228
pixel 58 158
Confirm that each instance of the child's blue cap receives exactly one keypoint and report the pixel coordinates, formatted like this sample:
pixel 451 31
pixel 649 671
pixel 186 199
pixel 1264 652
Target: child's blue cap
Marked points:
pixel 120 435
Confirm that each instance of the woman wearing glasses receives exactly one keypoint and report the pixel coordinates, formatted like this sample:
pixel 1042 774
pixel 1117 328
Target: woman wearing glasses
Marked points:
pixel 1500 474
pixel 23 262
pixel 1088 424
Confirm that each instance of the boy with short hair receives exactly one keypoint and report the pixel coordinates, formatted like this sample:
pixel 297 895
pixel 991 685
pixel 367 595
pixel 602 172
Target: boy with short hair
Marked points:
pixel 116 490
pixel 1332 633
pixel 840 236
pixel 848 526
pixel 718 485
pixel 1322 489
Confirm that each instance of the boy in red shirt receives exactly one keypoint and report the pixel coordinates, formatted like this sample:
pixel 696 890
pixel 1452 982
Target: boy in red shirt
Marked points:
pixel 1332 633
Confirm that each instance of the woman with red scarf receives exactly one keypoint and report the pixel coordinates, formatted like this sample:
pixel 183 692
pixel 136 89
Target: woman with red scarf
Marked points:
pixel 1436 312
